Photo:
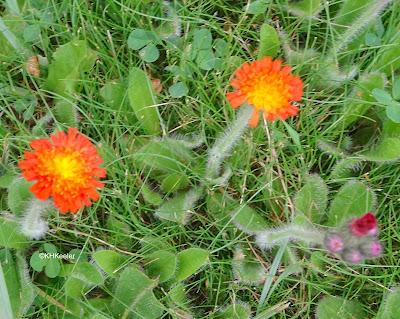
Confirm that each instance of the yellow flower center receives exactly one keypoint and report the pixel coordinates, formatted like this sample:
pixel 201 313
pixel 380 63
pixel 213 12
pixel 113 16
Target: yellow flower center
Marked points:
pixel 66 167
pixel 267 91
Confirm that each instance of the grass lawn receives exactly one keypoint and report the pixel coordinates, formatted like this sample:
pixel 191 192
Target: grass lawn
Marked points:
pixel 200 214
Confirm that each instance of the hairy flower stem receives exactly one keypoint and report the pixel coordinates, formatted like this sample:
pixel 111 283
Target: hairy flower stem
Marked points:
pixel 228 140
pixel 274 237
pixel 363 21
pixel 32 224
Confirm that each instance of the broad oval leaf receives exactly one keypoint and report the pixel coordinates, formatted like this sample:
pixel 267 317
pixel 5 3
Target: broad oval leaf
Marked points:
pixel 339 308
pixel 110 261
pixel 134 297
pixel 393 111
pixel 161 265
pixel 269 42
pixel 19 196
pixel 353 200
pixel 390 307
pixel 137 39
pixel 202 39
pixel 149 53
pixel 10 234
pixel 189 261
pixel 143 101
pixel 387 150
pixel 311 200
pixel 234 311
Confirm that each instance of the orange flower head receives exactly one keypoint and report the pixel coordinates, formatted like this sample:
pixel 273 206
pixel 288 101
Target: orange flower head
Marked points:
pixel 267 87
pixel 65 167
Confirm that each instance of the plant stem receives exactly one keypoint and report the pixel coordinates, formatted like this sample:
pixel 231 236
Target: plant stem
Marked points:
pixel 228 140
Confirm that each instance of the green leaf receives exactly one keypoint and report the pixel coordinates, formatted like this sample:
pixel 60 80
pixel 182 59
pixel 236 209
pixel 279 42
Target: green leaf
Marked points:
pixel 7 178
pixel 75 287
pixel 339 308
pixel 178 90
pixel 142 99
pixel 390 307
pixel 382 96
pixel 10 235
pixel 390 129
pixel 362 100
pixel 317 260
pixel 120 232
pixel 78 256
pixel 380 30
pixel 388 56
pixel 36 262
pixel 173 182
pixel 88 272
pixel 11 38
pixel 246 267
pixel 52 268
pixel 396 89
pixel 346 168
pixel 353 200
pixel 371 39
pixel 387 150
pixel 31 33
pixel 189 261
pixel 19 289
pixel 350 11
pixel 293 134
pixel 21 105
pixel 138 38
pixel 82 277
pixel 248 220
pixel 151 196
pixel 206 60
pixel 256 7
pixel 393 111
pixel 71 59
pixel 110 261
pixel 269 42
pixel 114 95
pixel 19 196
pixel 149 53
pixel 134 297
pixel 5 296
pixel 180 206
pixel 305 8
pixel 202 39
pixel 312 199
pixel 221 48
pixel 65 112
pixel 234 311
pixel 178 295
pixel 161 265
pixel 168 155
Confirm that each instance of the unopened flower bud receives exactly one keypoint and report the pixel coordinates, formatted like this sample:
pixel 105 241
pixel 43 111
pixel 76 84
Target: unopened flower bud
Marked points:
pixel 372 249
pixel 361 226
pixel 353 256
pixel 334 243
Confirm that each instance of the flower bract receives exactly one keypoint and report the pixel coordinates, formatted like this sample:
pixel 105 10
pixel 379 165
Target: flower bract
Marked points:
pixel 65 167
pixel 268 87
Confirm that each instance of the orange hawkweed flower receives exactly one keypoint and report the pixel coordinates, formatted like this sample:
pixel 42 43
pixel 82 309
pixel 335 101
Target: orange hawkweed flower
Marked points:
pixel 264 85
pixel 65 167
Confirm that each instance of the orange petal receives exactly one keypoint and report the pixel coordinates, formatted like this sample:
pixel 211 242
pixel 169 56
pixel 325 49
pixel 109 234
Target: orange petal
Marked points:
pixel 254 118
pixel 238 101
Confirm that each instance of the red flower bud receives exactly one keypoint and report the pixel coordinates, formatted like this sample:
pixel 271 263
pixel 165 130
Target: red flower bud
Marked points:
pixel 364 225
